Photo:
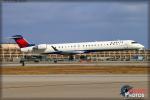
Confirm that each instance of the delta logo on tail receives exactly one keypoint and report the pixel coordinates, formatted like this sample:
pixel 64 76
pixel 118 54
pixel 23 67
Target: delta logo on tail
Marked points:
pixel 21 41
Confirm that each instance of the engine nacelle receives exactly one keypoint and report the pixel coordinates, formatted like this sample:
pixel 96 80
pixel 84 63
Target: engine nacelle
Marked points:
pixel 40 47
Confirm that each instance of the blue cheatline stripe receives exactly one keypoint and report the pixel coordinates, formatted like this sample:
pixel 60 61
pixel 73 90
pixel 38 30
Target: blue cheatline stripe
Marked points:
pixel 31 45
pixel 84 51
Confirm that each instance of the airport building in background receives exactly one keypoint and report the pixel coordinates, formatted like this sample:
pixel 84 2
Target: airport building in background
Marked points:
pixel 10 52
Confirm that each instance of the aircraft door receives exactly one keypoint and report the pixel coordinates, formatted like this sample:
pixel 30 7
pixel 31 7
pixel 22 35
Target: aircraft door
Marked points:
pixel 126 46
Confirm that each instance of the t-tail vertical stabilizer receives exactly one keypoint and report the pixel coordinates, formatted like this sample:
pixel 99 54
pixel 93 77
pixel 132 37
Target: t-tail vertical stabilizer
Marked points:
pixel 22 43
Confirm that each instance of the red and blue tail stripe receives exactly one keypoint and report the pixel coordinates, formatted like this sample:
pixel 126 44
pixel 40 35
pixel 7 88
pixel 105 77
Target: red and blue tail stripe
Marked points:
pixel 21 41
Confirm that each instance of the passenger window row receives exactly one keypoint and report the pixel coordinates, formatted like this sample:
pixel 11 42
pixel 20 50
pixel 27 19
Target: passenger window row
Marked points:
pixel 90 45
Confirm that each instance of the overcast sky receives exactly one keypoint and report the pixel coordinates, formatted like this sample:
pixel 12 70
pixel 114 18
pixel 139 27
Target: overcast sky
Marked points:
pixel 57 22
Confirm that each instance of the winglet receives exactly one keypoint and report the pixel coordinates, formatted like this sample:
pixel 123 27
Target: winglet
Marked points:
pixel 54 48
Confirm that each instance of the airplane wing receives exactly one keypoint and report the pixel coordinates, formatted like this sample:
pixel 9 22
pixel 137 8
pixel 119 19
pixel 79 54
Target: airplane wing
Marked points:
pixel 54 48
pixel 67 52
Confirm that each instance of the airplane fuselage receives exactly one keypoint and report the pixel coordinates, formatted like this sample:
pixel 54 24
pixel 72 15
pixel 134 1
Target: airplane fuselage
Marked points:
pixel 83 47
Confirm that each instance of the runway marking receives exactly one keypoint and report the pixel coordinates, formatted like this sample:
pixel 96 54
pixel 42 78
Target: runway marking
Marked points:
pixel 94 83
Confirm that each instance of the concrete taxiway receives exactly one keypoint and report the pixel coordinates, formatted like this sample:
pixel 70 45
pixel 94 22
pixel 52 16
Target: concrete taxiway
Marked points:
pixel 70 86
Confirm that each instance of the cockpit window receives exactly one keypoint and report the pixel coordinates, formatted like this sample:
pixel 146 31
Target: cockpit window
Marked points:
pixel 134 42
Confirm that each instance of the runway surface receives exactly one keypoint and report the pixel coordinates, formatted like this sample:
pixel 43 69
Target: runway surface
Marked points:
pixel 70 86
pixel 110 63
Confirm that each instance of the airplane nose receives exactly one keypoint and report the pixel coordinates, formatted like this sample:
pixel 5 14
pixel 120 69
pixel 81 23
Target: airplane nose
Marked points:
pixel 141 47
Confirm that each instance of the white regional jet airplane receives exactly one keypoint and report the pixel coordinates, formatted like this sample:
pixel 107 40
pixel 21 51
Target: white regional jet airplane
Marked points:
pixel 76 48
